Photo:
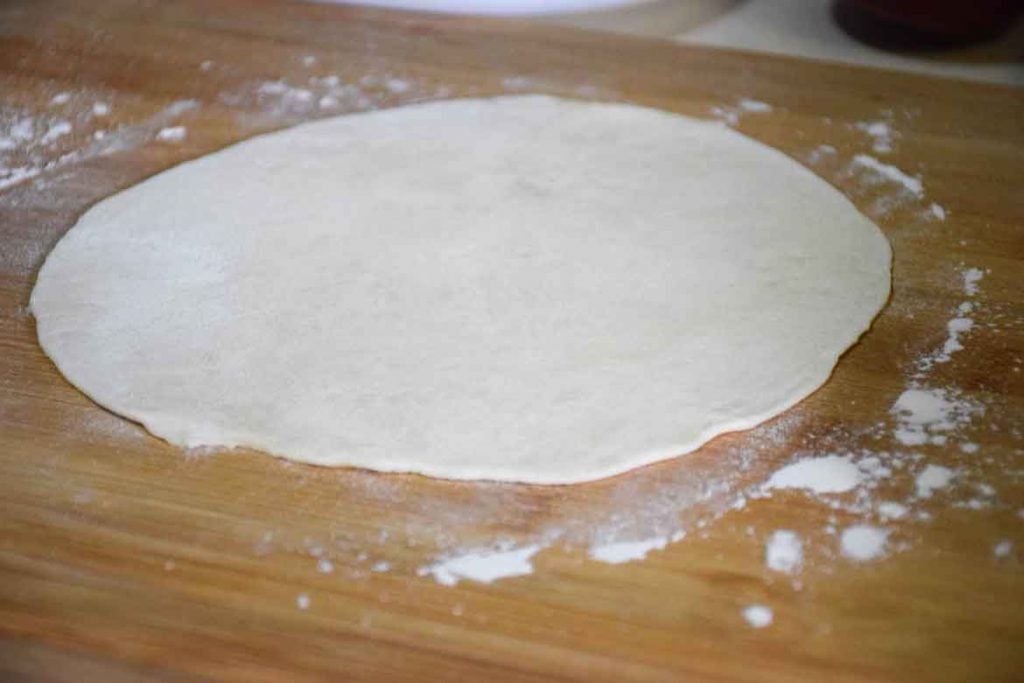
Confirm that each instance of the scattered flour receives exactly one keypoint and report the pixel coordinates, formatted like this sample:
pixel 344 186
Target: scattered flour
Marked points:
pixel 931 479
pixel 100 109
pixel 397 85
pixel 281 101
pixel 731 115
pixel 40 144
pixel 57 130
pixel 287 93
pixel 784 552
pixel 483 566
pixel 889 172
pixel 892 510
pixel 60 98
pixel 862 542
pixel 826 474
pixel 819 153
pixel 971 278
pixel 1002 549
pixel 754 106
pixel 958 325
pixel 172 134
pixel 725 114
pixel 937 211
pixel 986 489
pixel 302 601
pixel 15 175
pixel 881 135
pixel 758 616
pixel 928 415
pixel 955 327
pixel 628 551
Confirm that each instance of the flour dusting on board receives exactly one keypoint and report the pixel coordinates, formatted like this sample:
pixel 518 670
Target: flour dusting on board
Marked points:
pixel 618 552
pixel 292 100
pixel 881 134
pixel 874 498
pixel 172 134
pixel 960 324
pixel 863 543
pixel 731 114
pixel 926 416
pixel 32 145
pixel 758 616
pixel 826 474
pixel 889 173
pixel 784 552
pixel 931 479
pixel 483 566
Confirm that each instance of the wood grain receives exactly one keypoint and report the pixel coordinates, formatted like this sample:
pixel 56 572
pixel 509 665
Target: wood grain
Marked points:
pixel 123 559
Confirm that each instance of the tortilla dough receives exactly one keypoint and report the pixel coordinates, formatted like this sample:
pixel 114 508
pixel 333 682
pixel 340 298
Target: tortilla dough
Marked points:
pixel 522 288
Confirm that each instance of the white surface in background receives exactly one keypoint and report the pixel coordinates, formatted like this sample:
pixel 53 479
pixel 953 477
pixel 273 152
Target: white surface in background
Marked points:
pixel 805 28
pixel 801 28
pixel 495 7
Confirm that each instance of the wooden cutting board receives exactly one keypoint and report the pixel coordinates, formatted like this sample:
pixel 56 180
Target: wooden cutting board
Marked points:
pixel 123 558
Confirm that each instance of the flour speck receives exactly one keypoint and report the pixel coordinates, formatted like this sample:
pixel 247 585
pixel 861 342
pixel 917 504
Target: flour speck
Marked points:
pixel 483 566
pixel 826 474
pixel 57 130
pixel 784 552
pixel 627 551
pixel 890 173
pixel 862 543
pixel 171 134
pixel 892 510
pixel 931 479
pixel 971 278
pixel 754 106
pixel 881 135
pixel 758 616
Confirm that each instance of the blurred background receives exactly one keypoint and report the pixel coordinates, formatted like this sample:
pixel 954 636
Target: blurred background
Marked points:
pixel 980 40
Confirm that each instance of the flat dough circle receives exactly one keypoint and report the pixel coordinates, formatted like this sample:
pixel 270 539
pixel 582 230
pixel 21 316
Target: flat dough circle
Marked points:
pixel 521 288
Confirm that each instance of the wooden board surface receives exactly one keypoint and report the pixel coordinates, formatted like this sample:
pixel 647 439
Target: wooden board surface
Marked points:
pixel 122 558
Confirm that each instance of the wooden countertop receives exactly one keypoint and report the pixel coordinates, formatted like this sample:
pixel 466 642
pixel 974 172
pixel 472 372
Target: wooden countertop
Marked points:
pixel 121 558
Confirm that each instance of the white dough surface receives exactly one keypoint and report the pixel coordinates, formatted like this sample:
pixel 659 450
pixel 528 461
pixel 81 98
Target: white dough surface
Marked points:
pixel 522 288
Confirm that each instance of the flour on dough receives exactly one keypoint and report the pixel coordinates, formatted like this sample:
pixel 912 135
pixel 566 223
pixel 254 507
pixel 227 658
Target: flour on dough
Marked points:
pixel 521 288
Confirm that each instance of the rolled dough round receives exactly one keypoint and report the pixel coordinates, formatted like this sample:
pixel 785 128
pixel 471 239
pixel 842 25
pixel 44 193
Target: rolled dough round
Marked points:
pixel 521 288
